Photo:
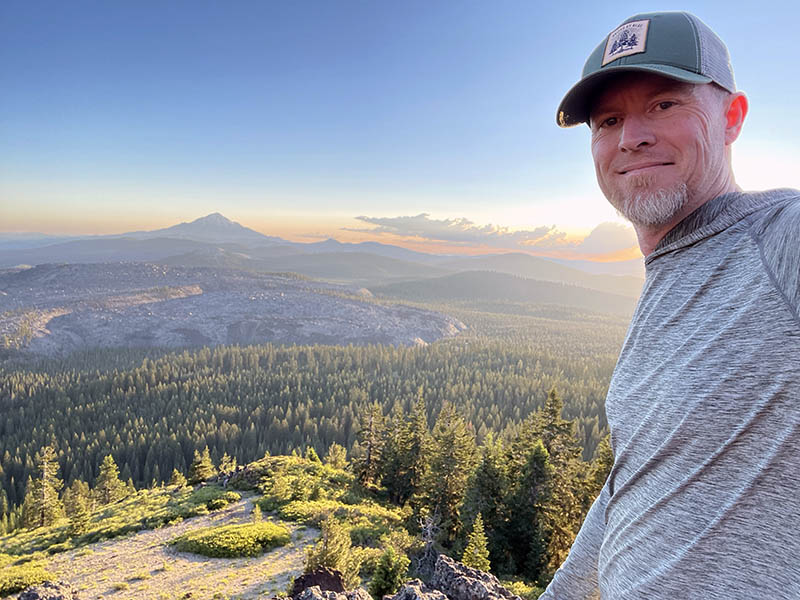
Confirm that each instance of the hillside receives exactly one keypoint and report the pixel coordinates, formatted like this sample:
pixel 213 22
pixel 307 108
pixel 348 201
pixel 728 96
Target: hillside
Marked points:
pixel 542 269
pixel 493 286
pixel 52 310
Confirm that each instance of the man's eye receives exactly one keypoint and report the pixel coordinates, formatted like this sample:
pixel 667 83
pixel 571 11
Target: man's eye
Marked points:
pixel 609 122
pixel 665 105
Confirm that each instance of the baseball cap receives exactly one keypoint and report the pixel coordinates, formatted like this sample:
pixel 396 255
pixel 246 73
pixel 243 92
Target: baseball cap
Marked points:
pixel 677 45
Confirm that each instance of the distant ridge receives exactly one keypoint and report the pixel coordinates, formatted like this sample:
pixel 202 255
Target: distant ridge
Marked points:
pixel 502 287
pixel 216 241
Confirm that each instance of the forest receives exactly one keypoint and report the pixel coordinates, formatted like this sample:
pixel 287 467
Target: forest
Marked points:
pixel 152 411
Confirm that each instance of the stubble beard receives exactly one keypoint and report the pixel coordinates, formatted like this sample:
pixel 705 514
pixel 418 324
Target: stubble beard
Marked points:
pixel 641 205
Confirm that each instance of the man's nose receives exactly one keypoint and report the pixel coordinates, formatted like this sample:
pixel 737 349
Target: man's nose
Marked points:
pixel 635 133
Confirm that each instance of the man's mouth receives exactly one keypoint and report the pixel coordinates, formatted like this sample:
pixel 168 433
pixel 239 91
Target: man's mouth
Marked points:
pixel 642 167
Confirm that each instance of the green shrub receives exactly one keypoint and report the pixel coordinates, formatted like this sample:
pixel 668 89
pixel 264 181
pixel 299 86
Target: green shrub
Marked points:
pixel 524 590
pixel 232 497
pixel 389 574
pixel 17 578
pixel 229 541
pixel 217 503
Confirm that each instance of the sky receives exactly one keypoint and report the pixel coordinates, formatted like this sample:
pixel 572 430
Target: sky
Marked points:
pixel 425 123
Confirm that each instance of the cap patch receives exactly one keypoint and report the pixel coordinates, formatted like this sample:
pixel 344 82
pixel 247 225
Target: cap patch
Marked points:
pixel 627 39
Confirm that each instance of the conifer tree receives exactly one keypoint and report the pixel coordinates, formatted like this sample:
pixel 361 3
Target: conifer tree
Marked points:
pixel 527 503
pixel 389 574
pixel 312 455
pixel 177 479
pixel 476 554
pixel 42 506
pixel 454 457
pixel 202 468
pixel 108 487
pixel 336 456
pixel 334 550
pixel 76 494
pixel 80 516
pixel 256 514
pixel 488 494
pixel 227 464
pixel 370 441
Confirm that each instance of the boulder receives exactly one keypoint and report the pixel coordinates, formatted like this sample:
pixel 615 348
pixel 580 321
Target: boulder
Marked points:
pixel 50 591
pixel 324 578
pixel 416 590
pixel 315 593
pixel 460 582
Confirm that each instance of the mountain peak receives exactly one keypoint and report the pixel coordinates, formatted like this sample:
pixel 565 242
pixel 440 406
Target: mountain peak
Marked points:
pixel 215 218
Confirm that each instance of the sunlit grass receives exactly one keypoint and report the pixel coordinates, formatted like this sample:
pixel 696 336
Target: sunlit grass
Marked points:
pixel 145 509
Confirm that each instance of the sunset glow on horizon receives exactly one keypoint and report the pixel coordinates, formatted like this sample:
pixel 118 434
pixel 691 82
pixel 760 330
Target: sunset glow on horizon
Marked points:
pixel 426 126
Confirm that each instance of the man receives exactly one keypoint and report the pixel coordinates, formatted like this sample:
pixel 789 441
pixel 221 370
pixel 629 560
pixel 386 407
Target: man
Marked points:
pixel 703 500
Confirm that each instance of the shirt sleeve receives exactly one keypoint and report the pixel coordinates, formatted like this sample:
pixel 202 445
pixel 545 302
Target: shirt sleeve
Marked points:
pixel 576 579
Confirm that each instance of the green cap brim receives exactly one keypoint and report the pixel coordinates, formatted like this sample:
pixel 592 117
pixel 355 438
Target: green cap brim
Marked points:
pixel 576 105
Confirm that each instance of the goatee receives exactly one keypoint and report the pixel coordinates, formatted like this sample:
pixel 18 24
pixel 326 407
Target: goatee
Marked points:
pixel 652 208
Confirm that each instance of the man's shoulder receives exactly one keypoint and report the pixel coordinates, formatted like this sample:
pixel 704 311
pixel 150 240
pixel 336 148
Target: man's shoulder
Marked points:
pixel 776 230
pixel 778 217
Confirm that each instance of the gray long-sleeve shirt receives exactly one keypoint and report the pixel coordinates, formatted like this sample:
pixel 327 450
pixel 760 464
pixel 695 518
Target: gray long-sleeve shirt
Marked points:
pixel 703 500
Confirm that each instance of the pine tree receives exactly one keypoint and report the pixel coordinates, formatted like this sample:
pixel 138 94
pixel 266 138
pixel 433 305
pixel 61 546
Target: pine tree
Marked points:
pixel 108 487
pixel 336 456
pixel 177 479
pixel 76 494
pixel 42 506
pixel 454 457
pixel 389 574
pixel 370 436
pixel 80 516
pixel 256 514
pixel 488 494
pixel 334 550
pixel 227 465
pixel 202 468
pixel 476 554
pixel 528 501
pixel 406 452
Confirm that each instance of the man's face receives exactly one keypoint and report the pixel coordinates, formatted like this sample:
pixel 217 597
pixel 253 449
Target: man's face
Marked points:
pixel 658 146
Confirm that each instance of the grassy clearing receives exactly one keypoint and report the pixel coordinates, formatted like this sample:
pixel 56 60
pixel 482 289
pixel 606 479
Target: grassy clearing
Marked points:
pixel 232 541
pixel 146 509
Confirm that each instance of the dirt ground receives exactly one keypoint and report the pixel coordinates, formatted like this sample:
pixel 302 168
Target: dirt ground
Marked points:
pixel 143 565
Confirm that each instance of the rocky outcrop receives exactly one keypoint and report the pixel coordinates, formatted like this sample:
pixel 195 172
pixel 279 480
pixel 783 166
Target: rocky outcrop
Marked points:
pixel 417 590
pixel 50 591
pixel 460 582
pixel 315 593
pixel 454 581
pixel 325 579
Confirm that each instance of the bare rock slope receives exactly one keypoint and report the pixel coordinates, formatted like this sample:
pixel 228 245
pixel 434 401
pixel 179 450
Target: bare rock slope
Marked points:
pixel 52 310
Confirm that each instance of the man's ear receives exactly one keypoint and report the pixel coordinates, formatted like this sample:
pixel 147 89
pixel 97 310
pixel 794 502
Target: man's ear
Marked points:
pixel 734 116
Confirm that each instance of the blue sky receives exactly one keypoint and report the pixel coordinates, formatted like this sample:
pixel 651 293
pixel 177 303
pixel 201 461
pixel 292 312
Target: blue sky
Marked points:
pixel 294 118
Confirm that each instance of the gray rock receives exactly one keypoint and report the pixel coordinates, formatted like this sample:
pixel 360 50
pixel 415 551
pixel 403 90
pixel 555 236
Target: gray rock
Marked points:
pixel 315 593
pixel 50 591
pixel 460 582
pixel 416 590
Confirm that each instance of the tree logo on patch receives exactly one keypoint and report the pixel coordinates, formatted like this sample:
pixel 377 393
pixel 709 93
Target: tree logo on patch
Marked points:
pixel 627 39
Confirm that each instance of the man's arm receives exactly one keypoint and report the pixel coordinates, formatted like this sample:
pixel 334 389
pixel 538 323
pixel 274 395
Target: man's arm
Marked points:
pixel 576 579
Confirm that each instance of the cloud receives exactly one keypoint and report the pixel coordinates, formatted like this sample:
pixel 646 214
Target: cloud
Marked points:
pixel 464 232
pixel 607 238
pixel 604 240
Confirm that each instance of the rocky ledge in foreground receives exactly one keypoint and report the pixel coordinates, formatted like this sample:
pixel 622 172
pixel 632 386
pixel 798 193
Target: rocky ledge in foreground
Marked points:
pixel 451 581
